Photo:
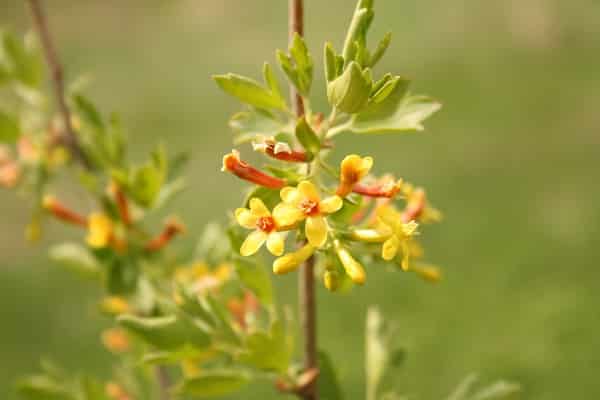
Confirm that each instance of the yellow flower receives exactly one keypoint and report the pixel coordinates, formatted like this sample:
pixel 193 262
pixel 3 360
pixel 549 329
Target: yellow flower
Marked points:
pixel 400 235
pixel 115 340
pixel 428 272
pixel 417 207
pixel 291 261
pixel 265 225
pixel 100 230
pixel 304 202
pixel 353 168
pixel 353 268
pixel 115 305
pixel 201 278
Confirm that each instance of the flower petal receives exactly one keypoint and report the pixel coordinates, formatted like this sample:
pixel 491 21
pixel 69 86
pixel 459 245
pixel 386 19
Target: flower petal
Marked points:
pixel 245 218
pixel 309 191
pixel 275 243
pixel 390 248
pixel 258 208
pixel 316 230
pixel 290 195
pixel 253 243
pixel 286 214
pixel 291 261
pixel 331 204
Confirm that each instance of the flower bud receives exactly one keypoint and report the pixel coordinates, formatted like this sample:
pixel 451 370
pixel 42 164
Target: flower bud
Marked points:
pixel 243 170
pixel 353 268
pixel 291 261
pixel 353 169
pixel 280 151
pixel 331 279
pixel 62 213
pixel 429 273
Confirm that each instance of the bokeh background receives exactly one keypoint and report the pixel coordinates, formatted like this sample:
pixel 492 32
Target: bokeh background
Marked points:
pixel 512 159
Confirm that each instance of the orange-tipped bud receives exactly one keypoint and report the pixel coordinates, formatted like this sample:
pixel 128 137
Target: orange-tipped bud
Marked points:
pixel 61 212
pixel 114 391
pixel 353 168
pixel 280 151
pixel 171 229
pixel 243 170
pixel 122 203
pixel 116 340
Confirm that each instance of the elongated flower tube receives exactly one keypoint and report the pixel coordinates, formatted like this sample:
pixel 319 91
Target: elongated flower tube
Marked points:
pixel 171 229
pixel 280 150
pixel 291 261
pixel 353 168
pixel 61 212
pixel 417 207
pixel 353 268
pixel 259 218
pixel 232 163
pixel 385 188
pixel 304 202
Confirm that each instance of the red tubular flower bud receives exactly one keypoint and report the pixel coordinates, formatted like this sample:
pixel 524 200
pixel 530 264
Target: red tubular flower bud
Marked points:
pixel 280 151
pixel 415 206
pixel 378 190
pixel 243 170
pixel 63 213
pixel 172 228
pixel 122 204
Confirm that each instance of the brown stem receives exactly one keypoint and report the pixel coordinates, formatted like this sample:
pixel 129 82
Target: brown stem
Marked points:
pixel 69 137
pixel 164 382
pixel 306 283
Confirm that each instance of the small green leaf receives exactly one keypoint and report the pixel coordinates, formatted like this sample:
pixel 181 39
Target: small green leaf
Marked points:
pixel 356 33
pixel 249 91
pixel 307 137
pixel 269 196
pixel 214 384
pixel 271 81
pixel 166 333
pixel 255 277
pixel 304 63
pixel 89 114
pixel 329 385
pixel 146 184
pixel 330 62
pixel 269 352
pixel 350 91
pixel 41 387
pixel 386 89
pixel 380 50
pixel 21 60
pixel 248 124
pixel 76 257
pixel 397 112
pixel 9 128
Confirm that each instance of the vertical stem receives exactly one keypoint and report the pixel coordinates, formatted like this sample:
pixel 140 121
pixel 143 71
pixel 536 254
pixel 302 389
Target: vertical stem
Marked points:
pixel 41 26
pixel 306 283
pixel 164 382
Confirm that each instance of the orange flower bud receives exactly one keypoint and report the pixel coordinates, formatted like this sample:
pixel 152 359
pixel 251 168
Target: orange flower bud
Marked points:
pixel 115 340
pixel 61 212
pixel 172 228
pixel 280 151
pixel 353 169
pixel 243 170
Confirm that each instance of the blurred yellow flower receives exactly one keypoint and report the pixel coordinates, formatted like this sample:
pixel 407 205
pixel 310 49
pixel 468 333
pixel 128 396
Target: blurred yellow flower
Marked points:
pixel 304 202
pixel 265 225
pixel 400 234
pixel 353 268
pixel 115 340
pixel 291 261
pixel 115 305
pixel 100 230
pixel 201 278
pixel 353 168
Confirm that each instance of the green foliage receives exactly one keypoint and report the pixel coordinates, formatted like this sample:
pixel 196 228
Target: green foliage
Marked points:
pixel 214 384
pixel 9 128
pixel 251 92
pixel 307 137
pixel 298 65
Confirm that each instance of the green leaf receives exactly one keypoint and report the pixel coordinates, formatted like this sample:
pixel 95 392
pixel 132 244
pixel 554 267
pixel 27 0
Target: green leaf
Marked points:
pixel 298 65
pixel 329 385
pixel 89 114
pixel 76 257
pixel 248 124
pixel 255 277
pixel 269 352
pixel 356 33
pixel 214 384
pixel 167 333
pixel 307 137
pixel 249 91
pixel 330 62
pixel 380 50
pixel 271 81
pixel 269 196
pixel 350 91
pixel 41 387
pixel 397 112
pixel 21 60
pixel 9 128
pixel 146 184
pixel 377 351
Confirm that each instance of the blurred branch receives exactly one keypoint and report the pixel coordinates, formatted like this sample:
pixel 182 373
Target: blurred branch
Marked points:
pixel 69 138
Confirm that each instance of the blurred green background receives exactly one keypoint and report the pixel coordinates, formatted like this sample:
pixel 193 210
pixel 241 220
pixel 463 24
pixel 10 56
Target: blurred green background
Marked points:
pixel 512 160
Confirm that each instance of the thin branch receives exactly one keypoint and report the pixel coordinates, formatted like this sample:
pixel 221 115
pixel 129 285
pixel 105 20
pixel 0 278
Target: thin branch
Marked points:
pixel 164 382
pixel 69 137
pixel 306 283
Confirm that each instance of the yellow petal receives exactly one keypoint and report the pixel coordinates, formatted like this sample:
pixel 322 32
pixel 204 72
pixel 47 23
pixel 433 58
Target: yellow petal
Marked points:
pixel 390 248
pixel 331 204
pixel 253 243
pixel 245 218
pixel 369 235
pixel 286 214
pixel 258 208
pixel 290 195
pixel 366 165
pixel 316 230
pixel 100 230
pixel 405 264
pixel 275 243
pixel 309 191
pixel 291 261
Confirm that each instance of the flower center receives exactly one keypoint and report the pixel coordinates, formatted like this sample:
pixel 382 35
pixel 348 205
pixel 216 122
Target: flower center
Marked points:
pixel 309 207
pixel 266 224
